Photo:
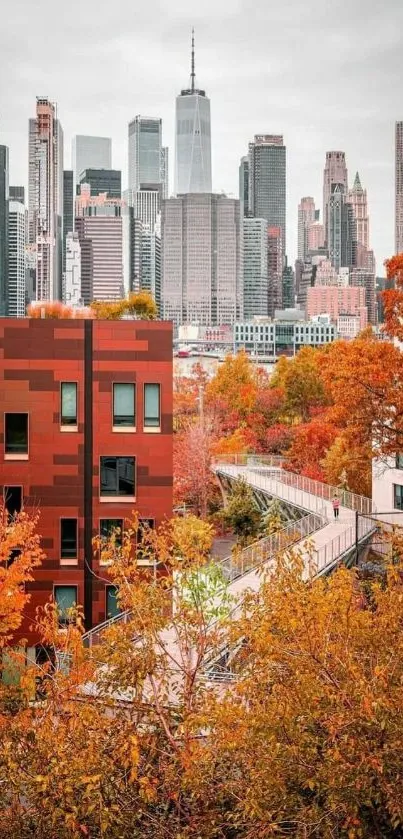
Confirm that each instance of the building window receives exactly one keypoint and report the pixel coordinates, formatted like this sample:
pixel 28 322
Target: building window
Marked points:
pixel 68 403
pixel 152 411
pixel 68 538
pixel 112 607
pixel 16 434
pixel 12 500
pixel 398 497
pixel 118 476
pixel 124 414
pixel 65 599
pixel 399 461
pixel 111 527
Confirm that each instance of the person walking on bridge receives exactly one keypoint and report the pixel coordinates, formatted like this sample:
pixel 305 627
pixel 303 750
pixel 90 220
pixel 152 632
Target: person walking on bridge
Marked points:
pixel 336 505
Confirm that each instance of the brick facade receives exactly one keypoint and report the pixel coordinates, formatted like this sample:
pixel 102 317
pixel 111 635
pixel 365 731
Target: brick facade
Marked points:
pixel 61 473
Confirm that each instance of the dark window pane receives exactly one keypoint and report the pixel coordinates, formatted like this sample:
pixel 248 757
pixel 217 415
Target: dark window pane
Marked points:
pixel 68 538
pixel 112 607
pixel 124 404
pixel 68 413
pixel 399 461
pixel 152 406
pixel 109 527
pixel 65 598
pixel 118 476
pixel 13 500
pixel 16 433
pixel 398 496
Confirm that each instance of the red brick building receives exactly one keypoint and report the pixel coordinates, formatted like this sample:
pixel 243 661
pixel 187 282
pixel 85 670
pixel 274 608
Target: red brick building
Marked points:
pixel 85 437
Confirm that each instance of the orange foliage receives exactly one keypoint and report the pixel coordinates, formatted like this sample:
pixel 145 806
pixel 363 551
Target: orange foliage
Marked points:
pixel 393 298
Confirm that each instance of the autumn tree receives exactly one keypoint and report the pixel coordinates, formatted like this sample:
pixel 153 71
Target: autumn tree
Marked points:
pixel 20 554
pixel 300 380
pixel 194 481
pixel 241 513
pixel 310 445
pixel 393 297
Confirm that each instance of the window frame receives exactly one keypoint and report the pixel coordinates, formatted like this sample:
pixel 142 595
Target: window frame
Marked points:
pixel 64 622
pixel 120 428
pixel 399 461
pixel 13 486
pixel 152 429
pixel 116 498
pixel 109 588
pixel 69 426
pixel 68 560
pixel 15 455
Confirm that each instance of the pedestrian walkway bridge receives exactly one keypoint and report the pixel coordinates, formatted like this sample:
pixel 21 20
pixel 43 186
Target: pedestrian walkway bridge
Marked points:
pixel 321 540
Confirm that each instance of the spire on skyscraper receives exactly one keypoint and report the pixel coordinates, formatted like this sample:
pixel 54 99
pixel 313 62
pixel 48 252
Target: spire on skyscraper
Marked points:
pixel 192 71
pixel 357 184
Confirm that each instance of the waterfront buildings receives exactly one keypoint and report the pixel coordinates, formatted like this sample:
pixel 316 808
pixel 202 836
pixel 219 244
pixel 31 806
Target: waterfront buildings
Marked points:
pixel 192 138
pixel 90 153
pixel 87 439
pixel 202 271
pixel 45 198
pixel 282 337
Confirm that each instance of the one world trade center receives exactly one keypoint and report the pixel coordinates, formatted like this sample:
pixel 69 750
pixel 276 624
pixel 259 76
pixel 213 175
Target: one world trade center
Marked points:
pixel 192 138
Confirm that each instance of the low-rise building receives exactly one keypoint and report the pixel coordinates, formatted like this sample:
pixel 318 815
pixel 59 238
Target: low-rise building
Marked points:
pixel 273 338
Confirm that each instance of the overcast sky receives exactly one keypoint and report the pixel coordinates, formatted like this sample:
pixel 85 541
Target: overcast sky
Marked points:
pixel 328 74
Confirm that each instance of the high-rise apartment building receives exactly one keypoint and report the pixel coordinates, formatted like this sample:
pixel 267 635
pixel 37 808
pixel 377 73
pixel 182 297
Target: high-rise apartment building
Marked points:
pixel 109 385
pixel 202 273
pixel 357 198
pixel 306 217
pixel 72 295
pixel 145 152
pixel 164 177
pixel 315 236
pixel 108 181
pixel 90 153
pixel 16 260
pixel 151 265
pixel 45 198
pixel 255 276
pixel 275 265
pixel 68 208
pixel 335 172
pixel 4 206
pixel 244 185
pixel 98 222
pixel 192 138
pixel 267 181
pixel 335 301
pixel 399 187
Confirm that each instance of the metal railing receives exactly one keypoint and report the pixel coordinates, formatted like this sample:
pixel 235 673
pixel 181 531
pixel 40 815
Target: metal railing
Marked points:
pixel 248 460
pixel 332 551
pixel 238 563
pixel 259 474
pixel 257 554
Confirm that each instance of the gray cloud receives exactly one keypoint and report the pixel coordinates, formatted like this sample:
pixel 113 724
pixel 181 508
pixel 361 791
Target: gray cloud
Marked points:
pixel 326 75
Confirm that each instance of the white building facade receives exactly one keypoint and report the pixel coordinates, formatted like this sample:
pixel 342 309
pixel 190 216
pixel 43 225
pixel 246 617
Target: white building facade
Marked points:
pixel 72 277
pixel 16 259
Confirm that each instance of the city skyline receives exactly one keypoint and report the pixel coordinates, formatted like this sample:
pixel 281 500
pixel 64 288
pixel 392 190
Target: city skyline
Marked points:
pixel 313 93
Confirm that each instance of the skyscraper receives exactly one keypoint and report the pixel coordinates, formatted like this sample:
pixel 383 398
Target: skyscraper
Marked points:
pixel 68 208
pixel 103 180
pixel 46 198
pixel 72 295
pixel 275 264
pixel 99 225
pixel 4 202
pixel 164 178
pixel 267 181
pixel 357 198
pixel 16 259
pixel 17 193
pixel 306 217
pixel 335 172
pixel 145 152
pixel 192 138
pixel 342 236
pixel 399 187
pixel 201 259
pixel 244 185
pixel 90 153
pixel 255 277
